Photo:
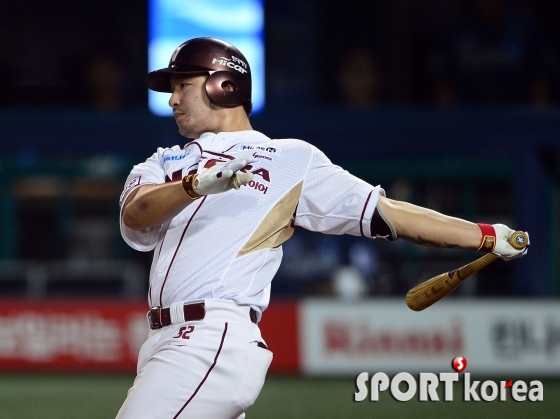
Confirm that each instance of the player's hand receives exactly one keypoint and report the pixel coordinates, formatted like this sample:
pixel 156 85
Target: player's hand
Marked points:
pixel 223 176
pixel 503 249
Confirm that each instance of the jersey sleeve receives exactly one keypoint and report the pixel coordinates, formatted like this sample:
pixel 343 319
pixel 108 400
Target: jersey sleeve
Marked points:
pixel 333 201
pixel 149 172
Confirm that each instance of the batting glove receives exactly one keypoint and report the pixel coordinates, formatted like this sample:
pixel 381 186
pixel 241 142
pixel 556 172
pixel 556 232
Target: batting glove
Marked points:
pixel 503 249
pixel 223 176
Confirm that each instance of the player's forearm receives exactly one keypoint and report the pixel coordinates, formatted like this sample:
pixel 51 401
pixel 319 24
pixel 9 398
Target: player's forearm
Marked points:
pixel 153 205
pixel 430 228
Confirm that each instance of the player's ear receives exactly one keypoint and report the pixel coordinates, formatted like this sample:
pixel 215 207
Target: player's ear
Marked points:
pixel 227 89
pixel 228 86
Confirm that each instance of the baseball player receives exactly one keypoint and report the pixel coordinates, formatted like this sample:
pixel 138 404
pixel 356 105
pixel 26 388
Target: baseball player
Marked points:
pixel 216 212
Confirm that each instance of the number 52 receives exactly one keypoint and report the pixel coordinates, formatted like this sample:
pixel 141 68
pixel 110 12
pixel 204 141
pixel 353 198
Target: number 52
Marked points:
pixel 184 332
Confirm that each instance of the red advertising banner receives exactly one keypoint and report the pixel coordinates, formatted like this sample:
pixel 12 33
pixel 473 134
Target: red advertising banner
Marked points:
pixel 106 336
pixel 280 329
pixel 71 335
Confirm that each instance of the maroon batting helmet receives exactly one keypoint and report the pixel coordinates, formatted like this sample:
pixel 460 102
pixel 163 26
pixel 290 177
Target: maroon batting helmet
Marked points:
pixel 221 60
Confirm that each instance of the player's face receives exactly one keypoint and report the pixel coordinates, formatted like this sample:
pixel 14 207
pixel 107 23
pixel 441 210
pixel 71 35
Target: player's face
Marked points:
pixel 193 111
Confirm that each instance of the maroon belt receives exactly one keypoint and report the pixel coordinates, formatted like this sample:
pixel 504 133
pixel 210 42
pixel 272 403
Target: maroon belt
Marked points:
pixel 161 317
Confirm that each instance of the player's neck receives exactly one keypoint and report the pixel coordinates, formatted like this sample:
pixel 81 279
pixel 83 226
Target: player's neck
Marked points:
pixel 234 120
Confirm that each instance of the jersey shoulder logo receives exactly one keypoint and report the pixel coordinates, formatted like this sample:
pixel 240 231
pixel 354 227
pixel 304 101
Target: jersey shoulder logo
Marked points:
pixel 266 149
pixel 171 156
pixel 128 187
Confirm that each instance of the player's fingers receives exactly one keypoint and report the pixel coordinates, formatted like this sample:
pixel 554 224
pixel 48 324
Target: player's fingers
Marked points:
pixel 240 179
pixel 503 247
pixel 224 173
pixel 521 254
pixel 239 163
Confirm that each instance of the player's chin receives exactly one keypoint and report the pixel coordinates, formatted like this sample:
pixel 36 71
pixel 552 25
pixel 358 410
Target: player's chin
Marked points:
pixel 185 129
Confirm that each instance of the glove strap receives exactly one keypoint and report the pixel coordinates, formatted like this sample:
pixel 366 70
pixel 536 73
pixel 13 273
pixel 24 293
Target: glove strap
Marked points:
pixel 187 184
pixel 488 242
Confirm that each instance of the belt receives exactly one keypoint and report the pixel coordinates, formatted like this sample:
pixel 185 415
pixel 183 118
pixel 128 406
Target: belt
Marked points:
pixel 160 317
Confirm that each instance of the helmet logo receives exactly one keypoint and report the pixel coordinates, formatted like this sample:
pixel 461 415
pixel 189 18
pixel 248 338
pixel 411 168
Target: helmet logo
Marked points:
pixel 231 63
pixel 238 60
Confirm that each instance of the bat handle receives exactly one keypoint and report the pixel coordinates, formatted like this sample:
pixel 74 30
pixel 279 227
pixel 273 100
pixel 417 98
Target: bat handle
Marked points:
pixel 518 240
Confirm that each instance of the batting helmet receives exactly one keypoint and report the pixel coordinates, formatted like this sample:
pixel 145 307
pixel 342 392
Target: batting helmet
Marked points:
pixel 221 60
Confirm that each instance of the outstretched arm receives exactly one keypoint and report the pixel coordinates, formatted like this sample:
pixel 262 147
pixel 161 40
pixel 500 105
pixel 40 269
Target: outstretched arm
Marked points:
pixel 430 228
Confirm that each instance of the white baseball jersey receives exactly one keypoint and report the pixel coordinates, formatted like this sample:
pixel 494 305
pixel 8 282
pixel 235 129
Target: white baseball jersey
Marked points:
pixel 228 245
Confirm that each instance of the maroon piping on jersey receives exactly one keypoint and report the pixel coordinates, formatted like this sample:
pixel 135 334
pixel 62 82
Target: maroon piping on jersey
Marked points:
pixel 207 373
pixel 232 147
pixel 195 143
pixel 363 212
pixel 219 154
pixel 150 290
pixel 177 249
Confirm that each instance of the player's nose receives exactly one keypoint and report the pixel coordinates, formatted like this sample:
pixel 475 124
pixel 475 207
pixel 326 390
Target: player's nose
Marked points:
pixel 174 99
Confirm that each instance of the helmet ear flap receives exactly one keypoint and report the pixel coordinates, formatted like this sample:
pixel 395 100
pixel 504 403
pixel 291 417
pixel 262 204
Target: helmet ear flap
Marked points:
pixel 224 97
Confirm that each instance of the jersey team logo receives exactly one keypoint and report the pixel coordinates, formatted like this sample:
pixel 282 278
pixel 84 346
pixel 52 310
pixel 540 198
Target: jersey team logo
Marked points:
pixel 427 383
pixel 261 187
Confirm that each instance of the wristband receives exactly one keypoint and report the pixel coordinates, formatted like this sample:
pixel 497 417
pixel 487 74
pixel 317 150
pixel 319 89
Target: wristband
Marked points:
pixel 187 184
pixel 488 242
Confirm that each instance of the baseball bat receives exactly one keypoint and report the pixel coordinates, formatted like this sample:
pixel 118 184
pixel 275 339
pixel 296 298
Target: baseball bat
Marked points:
pixel 434 289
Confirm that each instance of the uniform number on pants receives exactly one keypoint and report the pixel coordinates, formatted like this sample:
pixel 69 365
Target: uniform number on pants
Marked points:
pixel 184 332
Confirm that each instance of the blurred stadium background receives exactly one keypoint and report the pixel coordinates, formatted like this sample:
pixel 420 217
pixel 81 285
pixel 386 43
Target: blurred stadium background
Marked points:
pixel 449 105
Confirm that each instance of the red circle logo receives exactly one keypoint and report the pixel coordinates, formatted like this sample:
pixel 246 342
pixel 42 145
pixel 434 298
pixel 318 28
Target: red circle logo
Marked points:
pixel 459 364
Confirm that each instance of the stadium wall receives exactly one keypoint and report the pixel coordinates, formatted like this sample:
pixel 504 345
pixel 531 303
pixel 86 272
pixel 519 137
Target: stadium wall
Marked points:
pixel 312 337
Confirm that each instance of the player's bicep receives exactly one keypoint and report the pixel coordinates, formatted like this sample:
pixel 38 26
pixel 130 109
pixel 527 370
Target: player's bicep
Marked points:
pixel 140 239
pixel 130 204
pixel 335 202
pixel 130 198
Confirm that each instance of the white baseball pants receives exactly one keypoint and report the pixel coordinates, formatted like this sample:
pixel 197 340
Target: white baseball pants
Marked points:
pixel 204 369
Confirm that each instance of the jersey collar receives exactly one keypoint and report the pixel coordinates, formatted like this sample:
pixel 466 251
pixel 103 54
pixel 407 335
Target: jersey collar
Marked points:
pixel 223 140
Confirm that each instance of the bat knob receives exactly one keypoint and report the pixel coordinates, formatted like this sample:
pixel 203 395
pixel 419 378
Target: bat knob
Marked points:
pixel 519 240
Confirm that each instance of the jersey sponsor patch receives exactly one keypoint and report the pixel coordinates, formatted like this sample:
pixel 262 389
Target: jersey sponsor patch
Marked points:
pixel 256 155
pixel 129 186
pixel 273 150
pixel 173 158
pixel 170 157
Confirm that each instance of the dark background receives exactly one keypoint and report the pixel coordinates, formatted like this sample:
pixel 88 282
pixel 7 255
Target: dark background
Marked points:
pixel 47 49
